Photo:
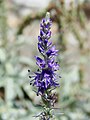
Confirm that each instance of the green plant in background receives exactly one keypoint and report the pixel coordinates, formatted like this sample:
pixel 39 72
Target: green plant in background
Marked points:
pixel 15 93
pixel 12 93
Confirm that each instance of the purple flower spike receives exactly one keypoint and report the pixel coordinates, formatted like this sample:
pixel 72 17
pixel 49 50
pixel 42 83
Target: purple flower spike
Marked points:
pixel 46 77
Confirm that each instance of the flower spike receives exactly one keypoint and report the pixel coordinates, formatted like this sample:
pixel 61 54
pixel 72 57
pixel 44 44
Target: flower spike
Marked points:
pixel 45 79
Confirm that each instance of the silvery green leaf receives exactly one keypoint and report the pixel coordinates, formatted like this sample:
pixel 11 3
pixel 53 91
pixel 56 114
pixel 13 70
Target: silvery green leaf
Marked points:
pixel 9 89
pixel 18 92
pixel 2 55
pixel 26 61
pixel 86 107
pixel 2 71
pixel 24 72
pixel 20 41
pixel 2 81
pixel 9 68
pixel 83 59
pixel 27 89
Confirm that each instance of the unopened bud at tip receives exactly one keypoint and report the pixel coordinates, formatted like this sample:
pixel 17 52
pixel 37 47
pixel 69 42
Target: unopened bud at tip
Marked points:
pixel 47 15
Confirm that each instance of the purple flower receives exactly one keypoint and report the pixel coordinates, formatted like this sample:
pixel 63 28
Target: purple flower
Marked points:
pixel 53 65
pixel 41 63
pixel 45 78
pixel 52 51
pixel 40 48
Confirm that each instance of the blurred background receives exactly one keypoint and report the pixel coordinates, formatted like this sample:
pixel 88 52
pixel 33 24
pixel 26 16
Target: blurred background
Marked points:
pixel 19 28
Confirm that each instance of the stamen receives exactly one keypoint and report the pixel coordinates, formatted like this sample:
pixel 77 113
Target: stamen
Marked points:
pixel 30 76
pixel 28 70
